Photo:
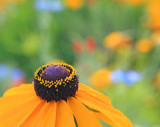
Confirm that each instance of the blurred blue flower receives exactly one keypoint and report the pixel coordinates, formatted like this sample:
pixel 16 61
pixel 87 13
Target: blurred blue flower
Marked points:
pixel 4 71
pixel 132 77
pixel 17 74
pixel 118 76
pixel 55 6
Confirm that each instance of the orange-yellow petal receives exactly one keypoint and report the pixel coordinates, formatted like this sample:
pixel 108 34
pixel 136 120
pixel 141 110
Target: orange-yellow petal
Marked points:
pixel 10 102
pixel 15 116
pixel 83 116
pixel 50 117
pixel 26 88
pixel 105 119
pixel 108 111
pixel 64 116
pixel 35 119
pixel 94 93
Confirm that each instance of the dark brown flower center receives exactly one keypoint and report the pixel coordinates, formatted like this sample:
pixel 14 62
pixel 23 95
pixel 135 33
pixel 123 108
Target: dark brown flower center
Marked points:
pixel 55 82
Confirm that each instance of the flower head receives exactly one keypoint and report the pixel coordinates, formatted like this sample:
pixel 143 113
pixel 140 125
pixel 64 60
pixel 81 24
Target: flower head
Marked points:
pixel 77 46
pixel 117 40
pixel 55 6
pixel 155 37
pixel 118 76
pixel 129 78
pixel 154 16
pixel 1 4
pixel 4 3
pixel 144 46
pixel 57 99
pixel 132 77
pixel 91 44
pixel 74 4
pixel 101 78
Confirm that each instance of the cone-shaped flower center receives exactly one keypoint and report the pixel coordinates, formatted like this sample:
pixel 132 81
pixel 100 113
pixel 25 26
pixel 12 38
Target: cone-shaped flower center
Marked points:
pixel 55 82
pixel 55 72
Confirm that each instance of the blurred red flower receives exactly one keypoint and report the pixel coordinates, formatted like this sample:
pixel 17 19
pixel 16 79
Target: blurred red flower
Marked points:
pixel 91 44
pixel 77 46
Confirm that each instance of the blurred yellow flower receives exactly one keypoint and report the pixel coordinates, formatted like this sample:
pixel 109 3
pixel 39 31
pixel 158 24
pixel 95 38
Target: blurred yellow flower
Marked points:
pixel 144 46
pixel 117 40
pixel 155 37
pixel 74 4
pixel 153 11
pixel 1 4
pixel 101 78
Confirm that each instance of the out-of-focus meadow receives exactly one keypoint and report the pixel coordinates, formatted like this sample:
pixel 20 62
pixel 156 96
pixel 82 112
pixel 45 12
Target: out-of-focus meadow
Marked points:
pixel 113 44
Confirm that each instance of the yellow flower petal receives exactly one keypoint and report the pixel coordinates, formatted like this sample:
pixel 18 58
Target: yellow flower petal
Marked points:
pixel 64 116
pixel 50 117
pixel 10 102
pixel 26 88
pixel 105 119
pixel 110 112
pixel 88 90
pixel 83 116
pixel 15 116
pixel 35 119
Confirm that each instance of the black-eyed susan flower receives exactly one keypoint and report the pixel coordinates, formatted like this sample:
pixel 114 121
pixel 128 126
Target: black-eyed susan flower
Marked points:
pixel 57 99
